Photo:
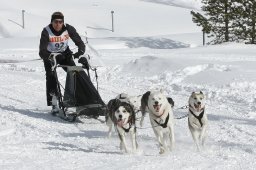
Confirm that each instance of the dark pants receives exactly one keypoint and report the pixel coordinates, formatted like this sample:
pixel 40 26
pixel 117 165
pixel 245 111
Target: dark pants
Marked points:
pixel 51 82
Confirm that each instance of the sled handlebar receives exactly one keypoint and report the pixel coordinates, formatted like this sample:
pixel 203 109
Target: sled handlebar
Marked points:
pixel 53 57
pixel 66 66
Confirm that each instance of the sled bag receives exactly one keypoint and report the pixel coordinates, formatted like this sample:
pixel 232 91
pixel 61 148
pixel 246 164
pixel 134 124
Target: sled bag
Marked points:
pixel 79 90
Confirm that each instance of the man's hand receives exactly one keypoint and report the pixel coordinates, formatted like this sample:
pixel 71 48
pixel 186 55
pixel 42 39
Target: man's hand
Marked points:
pixel 84 61
pixel 76 55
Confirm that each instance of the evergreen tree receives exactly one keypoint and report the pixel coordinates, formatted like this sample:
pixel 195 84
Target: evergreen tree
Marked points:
pixel 218 17
pixel 201 21
pixel 245 20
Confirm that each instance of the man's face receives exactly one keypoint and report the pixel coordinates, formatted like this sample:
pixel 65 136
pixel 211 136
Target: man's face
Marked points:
pixel 57 24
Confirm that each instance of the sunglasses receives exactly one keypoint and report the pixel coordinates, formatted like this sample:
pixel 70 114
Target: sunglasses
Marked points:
pixel 57 21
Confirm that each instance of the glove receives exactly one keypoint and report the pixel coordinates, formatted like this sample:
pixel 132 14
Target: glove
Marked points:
pixel 77 54
pixel 84 61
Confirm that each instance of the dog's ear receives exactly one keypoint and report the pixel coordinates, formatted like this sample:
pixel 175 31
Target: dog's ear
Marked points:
pixel 123 96
pixel 127 106
pixel 110 104
pixel 113 104
pixel 130 109
pixel 170 100
pixel 144 102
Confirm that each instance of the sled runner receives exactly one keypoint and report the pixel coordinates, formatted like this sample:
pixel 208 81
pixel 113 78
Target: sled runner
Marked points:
pixel 79 93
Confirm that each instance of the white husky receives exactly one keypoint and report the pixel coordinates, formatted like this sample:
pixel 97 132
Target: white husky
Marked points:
pixel 161 118
pixel 197 118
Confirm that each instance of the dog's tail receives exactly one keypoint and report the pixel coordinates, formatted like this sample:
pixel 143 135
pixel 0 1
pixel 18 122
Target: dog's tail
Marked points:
pixel 144 102
pixel 170 100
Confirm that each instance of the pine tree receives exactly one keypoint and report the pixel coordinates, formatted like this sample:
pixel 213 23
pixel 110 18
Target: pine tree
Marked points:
pixel 218 17
pixel 201 21
pixel 245 20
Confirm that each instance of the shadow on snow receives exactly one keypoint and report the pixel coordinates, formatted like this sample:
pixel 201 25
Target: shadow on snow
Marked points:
pixel 71 147
pixel 39 114
pixel 154 43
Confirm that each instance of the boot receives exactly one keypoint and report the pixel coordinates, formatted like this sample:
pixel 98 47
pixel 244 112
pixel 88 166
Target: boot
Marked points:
pixel 55 107
pixel 55 110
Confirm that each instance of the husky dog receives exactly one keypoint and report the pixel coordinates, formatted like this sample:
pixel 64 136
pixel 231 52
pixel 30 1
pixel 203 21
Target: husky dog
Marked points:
pixel 122 97
pixel 197 118
pixel 122 115
pixel 134 101
pixel 161 118
pixel 144 103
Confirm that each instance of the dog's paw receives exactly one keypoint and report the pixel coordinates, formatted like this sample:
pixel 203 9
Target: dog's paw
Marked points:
pixel 162 151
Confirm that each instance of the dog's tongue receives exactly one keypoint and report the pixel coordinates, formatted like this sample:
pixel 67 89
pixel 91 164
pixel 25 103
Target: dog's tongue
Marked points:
pixel 120 122
pixel 199 107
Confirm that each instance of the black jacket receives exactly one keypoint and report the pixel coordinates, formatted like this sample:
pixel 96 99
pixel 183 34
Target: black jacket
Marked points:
pixel 44 53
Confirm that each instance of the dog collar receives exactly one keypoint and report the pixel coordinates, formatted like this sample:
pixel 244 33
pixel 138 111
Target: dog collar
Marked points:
pixel 129 123
pixel 199 117
pixel 164 125
pixel 127 130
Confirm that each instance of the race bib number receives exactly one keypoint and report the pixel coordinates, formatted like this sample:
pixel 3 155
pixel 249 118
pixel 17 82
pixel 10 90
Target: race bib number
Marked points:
pixel 57 43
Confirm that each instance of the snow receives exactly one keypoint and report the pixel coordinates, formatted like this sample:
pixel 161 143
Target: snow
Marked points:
pixel 163 51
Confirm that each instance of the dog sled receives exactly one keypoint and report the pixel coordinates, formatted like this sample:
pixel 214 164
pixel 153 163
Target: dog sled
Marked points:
pixel 80 96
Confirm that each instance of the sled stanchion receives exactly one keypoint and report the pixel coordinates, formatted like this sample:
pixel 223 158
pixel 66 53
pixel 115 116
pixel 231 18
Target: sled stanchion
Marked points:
pixel 88 74
pixel 59 95
pixel 54 55
pixel 96 76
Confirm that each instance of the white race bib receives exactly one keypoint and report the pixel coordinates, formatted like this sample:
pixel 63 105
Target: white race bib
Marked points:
pixel 57 43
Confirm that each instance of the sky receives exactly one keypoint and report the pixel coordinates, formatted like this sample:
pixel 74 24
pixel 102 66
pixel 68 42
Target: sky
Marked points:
pixel 155 45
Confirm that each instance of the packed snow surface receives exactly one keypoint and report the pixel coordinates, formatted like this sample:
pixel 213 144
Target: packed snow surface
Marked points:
pixel 163 51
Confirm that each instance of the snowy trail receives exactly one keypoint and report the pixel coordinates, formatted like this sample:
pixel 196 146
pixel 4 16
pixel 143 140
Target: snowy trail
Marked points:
pixel 163 52
pixel 32 139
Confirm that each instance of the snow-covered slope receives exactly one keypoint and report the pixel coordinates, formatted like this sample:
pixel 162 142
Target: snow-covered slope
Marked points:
pixel 139 56
pixel 131 18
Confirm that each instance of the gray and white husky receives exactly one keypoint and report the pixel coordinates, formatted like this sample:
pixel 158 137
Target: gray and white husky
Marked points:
pixel 122 116
pixel 197 118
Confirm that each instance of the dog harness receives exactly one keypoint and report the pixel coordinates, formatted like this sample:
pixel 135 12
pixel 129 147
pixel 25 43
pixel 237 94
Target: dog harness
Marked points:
pixel 199 118
pixel 164 125
pixel 127 130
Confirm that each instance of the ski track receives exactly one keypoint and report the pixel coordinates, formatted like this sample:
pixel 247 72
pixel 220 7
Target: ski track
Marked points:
pixel 27 127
